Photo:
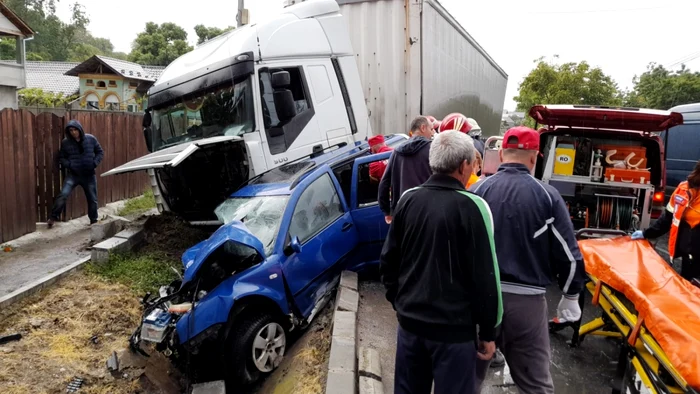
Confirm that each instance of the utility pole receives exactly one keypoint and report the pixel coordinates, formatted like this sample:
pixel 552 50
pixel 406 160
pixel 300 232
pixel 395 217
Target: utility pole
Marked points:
pixel 239 15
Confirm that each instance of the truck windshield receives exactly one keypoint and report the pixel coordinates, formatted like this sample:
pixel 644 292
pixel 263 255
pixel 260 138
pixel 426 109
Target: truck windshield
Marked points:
pixel 223 110
pixel 261 215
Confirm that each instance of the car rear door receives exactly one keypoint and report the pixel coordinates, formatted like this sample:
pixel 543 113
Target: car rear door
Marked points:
pixel 324 226
pixel 364 208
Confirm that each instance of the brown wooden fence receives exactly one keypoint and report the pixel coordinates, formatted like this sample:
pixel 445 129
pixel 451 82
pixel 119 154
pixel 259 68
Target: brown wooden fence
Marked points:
pixel 30 174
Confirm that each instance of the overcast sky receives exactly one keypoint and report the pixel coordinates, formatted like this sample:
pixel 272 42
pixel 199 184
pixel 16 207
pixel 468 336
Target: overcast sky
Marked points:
pixel 620 36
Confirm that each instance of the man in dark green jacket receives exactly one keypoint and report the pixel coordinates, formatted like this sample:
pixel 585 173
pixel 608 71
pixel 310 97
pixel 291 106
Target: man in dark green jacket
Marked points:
pixel 440 271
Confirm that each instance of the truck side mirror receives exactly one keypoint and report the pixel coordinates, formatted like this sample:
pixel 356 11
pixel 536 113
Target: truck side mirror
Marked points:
pixel 147 134
pixel 282 96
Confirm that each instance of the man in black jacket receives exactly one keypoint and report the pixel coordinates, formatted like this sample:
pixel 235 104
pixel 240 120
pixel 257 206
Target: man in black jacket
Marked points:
pixel 408 166
pixel 80 154
pixel 440 271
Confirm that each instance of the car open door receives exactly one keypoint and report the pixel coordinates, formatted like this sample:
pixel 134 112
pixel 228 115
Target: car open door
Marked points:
pixel 364 208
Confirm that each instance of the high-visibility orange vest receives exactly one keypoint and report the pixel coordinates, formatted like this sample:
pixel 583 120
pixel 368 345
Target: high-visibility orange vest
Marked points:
pixel 679 201
pixel 472 180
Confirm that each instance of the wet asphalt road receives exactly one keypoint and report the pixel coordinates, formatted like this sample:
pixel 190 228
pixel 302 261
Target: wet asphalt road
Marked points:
pixel 586 369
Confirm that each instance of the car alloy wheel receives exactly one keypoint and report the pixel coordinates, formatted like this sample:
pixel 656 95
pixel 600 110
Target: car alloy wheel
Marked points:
pixel 268 347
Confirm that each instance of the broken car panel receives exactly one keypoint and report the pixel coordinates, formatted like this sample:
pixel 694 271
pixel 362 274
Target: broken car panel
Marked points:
pixel 273 264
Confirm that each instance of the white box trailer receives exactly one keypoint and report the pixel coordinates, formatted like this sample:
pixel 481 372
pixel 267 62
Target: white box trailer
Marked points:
pixel 415 58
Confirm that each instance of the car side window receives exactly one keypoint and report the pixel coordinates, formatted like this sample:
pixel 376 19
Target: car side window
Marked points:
pixel 284 124
pixel 318 206
pixel 368 177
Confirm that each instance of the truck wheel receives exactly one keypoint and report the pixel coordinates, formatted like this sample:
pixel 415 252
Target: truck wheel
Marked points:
pixel 256 346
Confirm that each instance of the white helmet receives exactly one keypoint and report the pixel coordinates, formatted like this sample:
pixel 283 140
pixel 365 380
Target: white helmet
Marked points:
pixel 475 130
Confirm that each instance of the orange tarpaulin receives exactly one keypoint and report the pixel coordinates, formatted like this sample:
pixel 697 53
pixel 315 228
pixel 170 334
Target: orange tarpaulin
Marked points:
pixel 669 305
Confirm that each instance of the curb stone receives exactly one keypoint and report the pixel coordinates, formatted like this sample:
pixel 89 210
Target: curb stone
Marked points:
pixel 123 241
pixel 370 372
pixel 40 284
pixel 342 363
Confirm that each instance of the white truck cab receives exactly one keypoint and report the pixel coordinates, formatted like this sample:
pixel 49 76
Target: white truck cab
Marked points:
pixel 248 101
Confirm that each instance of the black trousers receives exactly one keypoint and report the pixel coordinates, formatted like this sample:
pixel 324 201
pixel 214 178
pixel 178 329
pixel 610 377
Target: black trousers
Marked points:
pixel 690 268
pixel 419 361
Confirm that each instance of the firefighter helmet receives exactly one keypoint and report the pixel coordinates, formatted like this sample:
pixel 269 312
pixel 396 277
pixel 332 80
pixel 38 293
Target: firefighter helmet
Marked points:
pixel 455 121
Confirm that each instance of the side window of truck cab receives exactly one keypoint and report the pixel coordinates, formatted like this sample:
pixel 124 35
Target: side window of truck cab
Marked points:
pixel 286 105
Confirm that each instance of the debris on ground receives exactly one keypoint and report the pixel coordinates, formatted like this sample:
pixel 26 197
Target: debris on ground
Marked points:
pixel 7 248
pixel 10 338
pixel 74 385
pixel 305 365
pixel 171 235
pixel 73 312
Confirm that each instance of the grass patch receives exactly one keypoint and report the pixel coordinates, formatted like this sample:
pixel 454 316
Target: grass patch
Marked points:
pixel 141 272
pixel 138 204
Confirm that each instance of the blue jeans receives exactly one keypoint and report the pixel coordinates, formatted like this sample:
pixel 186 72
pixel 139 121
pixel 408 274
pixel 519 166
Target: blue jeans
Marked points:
pixel 420 361
pixel 89 185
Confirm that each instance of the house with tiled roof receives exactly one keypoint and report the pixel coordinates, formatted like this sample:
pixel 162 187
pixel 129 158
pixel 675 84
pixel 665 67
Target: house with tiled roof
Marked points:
pixel 12 71
pixel 100 83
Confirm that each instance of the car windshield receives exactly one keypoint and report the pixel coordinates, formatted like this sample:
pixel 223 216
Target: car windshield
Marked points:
pixel 223 110
pixel 261 215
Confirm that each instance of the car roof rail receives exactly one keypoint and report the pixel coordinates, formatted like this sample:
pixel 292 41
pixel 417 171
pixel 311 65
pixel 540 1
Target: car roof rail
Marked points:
pixel 314 154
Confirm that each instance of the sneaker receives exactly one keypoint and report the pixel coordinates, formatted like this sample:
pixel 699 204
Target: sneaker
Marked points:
pixel 93 222
pixel 50 223
pixel 498 360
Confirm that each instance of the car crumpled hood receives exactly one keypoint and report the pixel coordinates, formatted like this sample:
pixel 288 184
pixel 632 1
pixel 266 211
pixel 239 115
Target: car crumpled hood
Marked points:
pixel 235 231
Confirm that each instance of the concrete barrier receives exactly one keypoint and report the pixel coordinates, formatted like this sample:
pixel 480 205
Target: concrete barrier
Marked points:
pixel 342 365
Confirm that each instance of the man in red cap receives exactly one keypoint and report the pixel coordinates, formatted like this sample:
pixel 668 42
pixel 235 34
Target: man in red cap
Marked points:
pixel 377 168
pixel 535 242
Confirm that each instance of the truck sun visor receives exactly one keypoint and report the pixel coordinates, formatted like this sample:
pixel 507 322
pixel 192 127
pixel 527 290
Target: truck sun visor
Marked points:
pixel 192 82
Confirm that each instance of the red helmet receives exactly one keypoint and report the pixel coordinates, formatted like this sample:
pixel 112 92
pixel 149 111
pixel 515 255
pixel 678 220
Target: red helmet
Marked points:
pixel 455 121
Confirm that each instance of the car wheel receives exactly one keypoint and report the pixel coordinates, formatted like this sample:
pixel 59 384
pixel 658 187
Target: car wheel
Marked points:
pixel 256 346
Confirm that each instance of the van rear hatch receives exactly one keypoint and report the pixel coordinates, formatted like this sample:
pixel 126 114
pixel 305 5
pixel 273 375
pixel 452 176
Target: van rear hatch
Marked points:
pixel 597 117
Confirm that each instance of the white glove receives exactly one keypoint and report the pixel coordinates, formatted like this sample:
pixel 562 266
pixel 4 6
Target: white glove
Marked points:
pixel 639 234
pixel 568 309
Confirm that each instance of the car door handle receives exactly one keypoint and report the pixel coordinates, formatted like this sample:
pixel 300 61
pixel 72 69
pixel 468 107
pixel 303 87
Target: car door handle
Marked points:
pixel 346 227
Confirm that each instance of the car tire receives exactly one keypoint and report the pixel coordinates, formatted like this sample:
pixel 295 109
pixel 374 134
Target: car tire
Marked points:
pixel 255 347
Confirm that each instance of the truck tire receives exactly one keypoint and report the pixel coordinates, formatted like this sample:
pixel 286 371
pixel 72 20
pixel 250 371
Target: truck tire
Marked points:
pixel 255 346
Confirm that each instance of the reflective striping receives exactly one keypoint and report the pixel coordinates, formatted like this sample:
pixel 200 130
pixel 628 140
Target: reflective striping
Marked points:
pixel 543 189
pixel 488 223
pixel 570 256
pixel 543 228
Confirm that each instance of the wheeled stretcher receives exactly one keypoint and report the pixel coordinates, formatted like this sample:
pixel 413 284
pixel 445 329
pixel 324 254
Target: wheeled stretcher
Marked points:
pixel 652 310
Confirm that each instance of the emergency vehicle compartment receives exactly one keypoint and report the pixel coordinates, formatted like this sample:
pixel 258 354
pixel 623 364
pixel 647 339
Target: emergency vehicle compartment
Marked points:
pixel 599 175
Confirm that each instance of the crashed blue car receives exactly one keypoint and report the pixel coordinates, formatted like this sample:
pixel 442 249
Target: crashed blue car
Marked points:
pixel 273 264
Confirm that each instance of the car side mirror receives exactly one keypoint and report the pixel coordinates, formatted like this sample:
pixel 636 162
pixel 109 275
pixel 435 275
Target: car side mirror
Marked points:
pixel 294 246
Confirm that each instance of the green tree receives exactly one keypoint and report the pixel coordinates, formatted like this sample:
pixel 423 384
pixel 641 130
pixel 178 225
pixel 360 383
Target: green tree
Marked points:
pixel 568 83
pixel 159 44
pixel 37 97
pixel 54 38
pixel 207 33
pixel 662 89
pixel 8 48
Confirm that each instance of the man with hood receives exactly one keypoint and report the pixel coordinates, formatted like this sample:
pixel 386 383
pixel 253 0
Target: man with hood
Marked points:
pixel 408 166
pixel 80 154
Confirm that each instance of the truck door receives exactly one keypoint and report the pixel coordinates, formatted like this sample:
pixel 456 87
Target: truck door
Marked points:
pixel 326 234
pixel 364 208
pixel 288 116
pixel 331 113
